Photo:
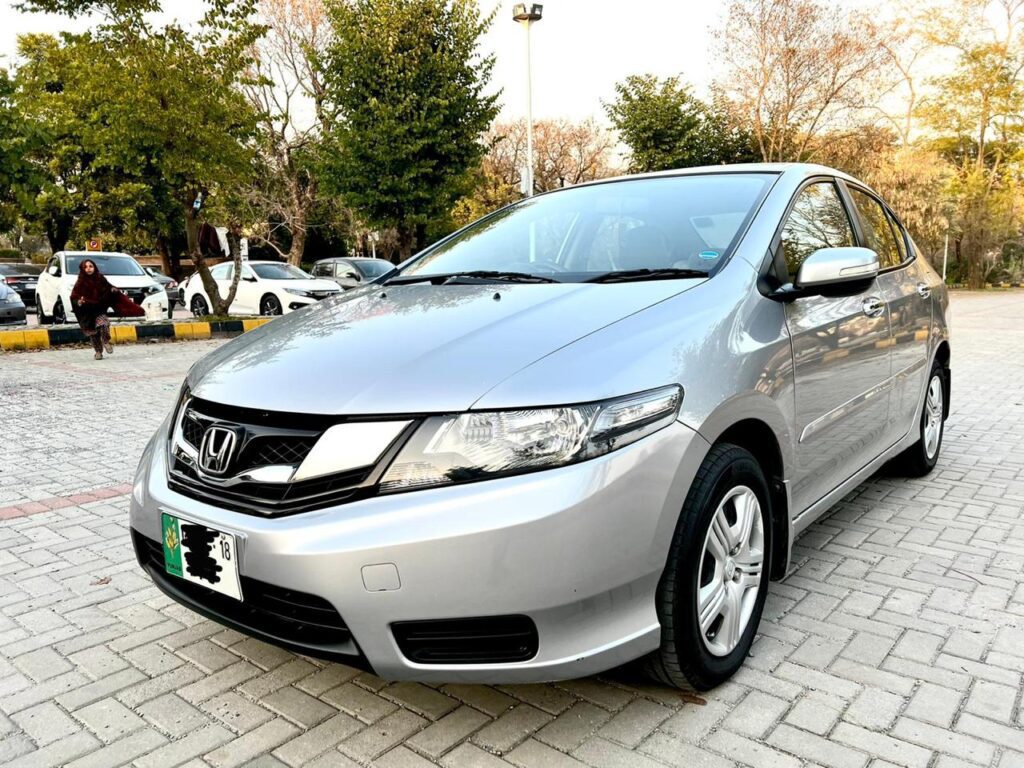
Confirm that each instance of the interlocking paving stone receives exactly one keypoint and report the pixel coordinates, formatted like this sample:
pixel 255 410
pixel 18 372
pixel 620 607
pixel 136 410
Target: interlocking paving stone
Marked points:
pixel 896 640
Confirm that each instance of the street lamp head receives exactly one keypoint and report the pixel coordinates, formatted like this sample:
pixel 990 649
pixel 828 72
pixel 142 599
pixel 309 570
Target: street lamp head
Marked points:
pixel 527 12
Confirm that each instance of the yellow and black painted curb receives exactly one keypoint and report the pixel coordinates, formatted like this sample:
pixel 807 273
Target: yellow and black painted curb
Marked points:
pixel 127 333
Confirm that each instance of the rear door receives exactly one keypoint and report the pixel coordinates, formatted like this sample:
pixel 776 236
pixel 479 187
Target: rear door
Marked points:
pixel 905 290
pixel 841 354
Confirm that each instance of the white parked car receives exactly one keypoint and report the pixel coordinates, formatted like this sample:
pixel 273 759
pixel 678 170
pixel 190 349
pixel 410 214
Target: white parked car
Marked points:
pixel 264 288
pixel 53 293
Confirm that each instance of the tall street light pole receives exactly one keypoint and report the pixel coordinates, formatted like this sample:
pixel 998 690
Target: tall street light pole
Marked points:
pixel 526 15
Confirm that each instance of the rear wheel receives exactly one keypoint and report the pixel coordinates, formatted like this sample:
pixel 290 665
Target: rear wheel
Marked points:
pixel 44 319
pixel 60 317
pixel 198 307
pixel 920 458
pixel 712 593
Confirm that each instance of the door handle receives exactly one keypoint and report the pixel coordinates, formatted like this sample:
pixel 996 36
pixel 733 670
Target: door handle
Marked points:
pixel 923 290
pixel 873 306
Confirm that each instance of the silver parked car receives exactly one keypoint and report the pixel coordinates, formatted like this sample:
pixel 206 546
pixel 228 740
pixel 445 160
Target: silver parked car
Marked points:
pixel 351 271
pixel 583 430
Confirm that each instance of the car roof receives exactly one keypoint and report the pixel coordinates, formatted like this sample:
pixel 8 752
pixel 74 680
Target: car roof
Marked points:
pixel 795 169
pixel 97 254
pixel 336 259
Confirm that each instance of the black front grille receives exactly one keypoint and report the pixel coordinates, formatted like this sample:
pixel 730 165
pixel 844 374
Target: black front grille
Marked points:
pixel 192 431
pixel 280 614
pixel 269 498
pixel 484 640
pixel 261 451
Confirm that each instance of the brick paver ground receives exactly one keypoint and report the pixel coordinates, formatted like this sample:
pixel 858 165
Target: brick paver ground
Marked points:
pixel 898 639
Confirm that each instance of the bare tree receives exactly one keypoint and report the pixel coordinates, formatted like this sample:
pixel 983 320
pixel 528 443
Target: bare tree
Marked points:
pixel 565 153
pixel 288 93
pixel 796 69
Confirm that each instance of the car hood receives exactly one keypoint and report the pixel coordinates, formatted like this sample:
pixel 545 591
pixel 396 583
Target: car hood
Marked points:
pixel 122 281
pixel 411 349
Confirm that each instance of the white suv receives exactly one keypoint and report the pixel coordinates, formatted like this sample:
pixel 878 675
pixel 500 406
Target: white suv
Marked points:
pixel 264 288
pixel 53 294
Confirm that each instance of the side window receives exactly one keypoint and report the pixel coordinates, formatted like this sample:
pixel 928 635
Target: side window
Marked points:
pixel 319 270
pixel 818 220
pixel 221 271
pixel 901 238
pixel 877 229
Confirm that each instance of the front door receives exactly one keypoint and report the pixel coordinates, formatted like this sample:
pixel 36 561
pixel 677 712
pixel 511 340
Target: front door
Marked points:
pixel 841 356
pixel 905 290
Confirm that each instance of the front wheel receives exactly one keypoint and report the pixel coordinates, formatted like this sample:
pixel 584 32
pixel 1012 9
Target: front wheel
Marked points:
pixel 920 458
pixel 43 318
pixel 712 593
pixel 60 317
pixel 270 305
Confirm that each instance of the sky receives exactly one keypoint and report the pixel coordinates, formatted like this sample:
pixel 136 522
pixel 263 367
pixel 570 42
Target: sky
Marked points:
pixel 580 48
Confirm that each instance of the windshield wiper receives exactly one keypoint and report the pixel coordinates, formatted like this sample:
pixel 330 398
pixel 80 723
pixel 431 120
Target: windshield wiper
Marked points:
pixel 504 277
pixel 634 275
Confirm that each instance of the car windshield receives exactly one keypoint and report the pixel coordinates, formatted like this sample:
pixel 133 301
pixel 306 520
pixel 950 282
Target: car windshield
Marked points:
pixel 279 272
pixel 108 265
pixel 666 223
pixel 373 267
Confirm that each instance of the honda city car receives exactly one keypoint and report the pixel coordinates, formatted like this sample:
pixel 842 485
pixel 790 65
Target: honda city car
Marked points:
pixel 581 431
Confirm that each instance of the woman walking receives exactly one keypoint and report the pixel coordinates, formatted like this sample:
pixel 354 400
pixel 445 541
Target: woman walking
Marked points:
pixel 90 298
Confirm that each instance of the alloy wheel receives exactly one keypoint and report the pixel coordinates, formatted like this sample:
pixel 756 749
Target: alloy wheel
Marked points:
pixel 60 317
pixel 270 306
pixel 731 563
pixel 933 417
pixel 198 306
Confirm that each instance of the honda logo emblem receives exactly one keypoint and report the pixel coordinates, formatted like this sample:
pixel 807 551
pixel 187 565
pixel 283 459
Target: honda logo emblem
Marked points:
pixel 217 449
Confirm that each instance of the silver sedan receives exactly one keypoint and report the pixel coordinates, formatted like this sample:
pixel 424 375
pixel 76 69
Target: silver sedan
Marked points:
pixel 581 431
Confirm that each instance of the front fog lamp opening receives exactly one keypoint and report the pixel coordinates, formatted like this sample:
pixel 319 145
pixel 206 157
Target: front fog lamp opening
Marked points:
pixel 486 444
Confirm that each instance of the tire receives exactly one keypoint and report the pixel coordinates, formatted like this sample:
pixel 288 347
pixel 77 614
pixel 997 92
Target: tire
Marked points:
pixel 920 459
pixel 60 317
pixel 170 310
pixel 270 305
pixel 199 307
pixel 44 319
pixel 690 657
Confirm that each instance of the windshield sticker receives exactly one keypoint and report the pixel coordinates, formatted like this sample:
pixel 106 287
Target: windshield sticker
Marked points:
pixel 709 255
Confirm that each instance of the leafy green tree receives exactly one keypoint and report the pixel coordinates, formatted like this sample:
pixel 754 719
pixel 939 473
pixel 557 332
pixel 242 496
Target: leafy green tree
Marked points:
pixel 409 84
pixel 14 168
pixel 160 123
pixel 665 126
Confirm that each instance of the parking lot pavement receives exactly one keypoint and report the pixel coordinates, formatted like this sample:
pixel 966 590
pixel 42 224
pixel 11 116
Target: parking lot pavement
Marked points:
pixel 898 639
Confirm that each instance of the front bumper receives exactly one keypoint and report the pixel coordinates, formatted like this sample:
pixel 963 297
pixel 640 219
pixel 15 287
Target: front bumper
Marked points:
pixel 579 550
pixel 12 314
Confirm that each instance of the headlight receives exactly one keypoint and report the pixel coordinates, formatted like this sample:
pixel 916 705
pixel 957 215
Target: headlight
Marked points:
pixel 296 292
pixel 475 446
pixel 149 290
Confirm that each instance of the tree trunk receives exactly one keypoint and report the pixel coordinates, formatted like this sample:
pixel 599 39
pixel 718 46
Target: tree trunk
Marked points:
pixel 406 241
pixel 165 257
pixel 58 230
pixel 235 247
pixel 196 254
pixel 298 249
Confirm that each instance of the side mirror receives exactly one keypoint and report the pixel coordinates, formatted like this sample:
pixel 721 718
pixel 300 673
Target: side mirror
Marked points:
pixel 249 278
pixel 54 270
pixel 841 271
pixel 353 276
